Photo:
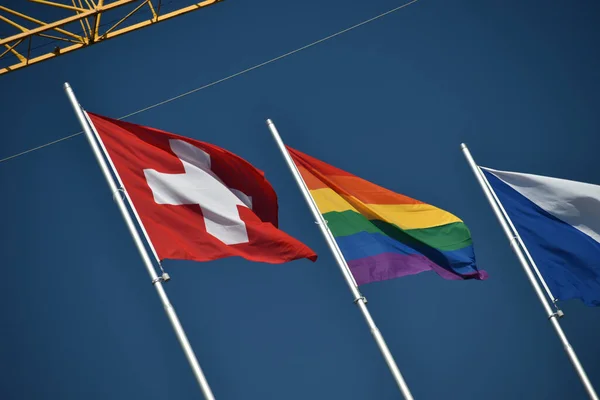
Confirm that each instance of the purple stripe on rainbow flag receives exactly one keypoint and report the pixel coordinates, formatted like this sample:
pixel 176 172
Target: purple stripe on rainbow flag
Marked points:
pixel 393 265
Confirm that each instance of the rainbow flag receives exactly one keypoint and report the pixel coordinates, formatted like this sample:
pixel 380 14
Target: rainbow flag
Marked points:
pixel 385 235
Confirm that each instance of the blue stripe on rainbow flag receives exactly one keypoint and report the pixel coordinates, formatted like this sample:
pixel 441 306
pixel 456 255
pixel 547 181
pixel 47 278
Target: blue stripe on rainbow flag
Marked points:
pixel 365 244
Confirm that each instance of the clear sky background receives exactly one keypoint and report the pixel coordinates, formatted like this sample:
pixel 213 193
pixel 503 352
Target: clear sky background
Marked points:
pixel 518 81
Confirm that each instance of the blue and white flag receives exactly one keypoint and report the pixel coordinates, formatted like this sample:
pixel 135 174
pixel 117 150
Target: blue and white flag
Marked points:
pixel 559 222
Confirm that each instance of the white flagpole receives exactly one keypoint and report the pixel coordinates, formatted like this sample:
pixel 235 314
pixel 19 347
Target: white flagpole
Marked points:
pixel 522 244
pixel 156 280
pixel 553 317
pixel 125 193
pixel 359 299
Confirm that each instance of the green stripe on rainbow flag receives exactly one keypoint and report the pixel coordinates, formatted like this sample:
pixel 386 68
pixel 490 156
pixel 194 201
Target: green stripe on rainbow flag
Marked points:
pixel 452 236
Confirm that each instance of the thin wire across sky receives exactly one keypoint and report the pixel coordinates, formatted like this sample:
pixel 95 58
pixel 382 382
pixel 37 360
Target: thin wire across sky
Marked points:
pixel 272 60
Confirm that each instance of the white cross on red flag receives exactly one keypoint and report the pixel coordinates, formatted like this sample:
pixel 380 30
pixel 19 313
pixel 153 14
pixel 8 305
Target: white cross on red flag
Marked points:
pixel 197 201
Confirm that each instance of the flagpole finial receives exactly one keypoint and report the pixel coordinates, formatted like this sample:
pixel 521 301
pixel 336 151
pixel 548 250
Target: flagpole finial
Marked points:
pixel 463 146
pixel 269 122
pixel 66 85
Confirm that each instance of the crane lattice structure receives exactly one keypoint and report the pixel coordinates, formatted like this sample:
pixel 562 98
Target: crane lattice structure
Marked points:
pixel 74 32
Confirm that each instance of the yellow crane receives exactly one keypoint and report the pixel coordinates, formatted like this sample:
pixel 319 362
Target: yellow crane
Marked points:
pixel 82 29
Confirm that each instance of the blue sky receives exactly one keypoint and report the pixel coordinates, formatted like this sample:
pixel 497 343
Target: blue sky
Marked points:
pixel 518 81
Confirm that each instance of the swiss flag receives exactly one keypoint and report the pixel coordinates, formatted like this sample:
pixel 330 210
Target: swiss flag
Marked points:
pixel 197 201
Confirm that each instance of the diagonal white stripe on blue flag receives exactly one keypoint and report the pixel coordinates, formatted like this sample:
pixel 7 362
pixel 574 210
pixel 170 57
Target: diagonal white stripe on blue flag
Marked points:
pixel 576 203
pixel 559 222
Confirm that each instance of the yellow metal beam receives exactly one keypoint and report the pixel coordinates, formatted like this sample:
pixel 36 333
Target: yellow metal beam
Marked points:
pixel 112 28
pixel 12 23
pixel 152 9
pixel 91 35
pixel 163 17
pixel 90 6
pixel 94 35
pixel 59 5
pixel 11 49
pixel 62 39
pixel 80 21
pixel 87 22
pixel 68 20
pixel 30 19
